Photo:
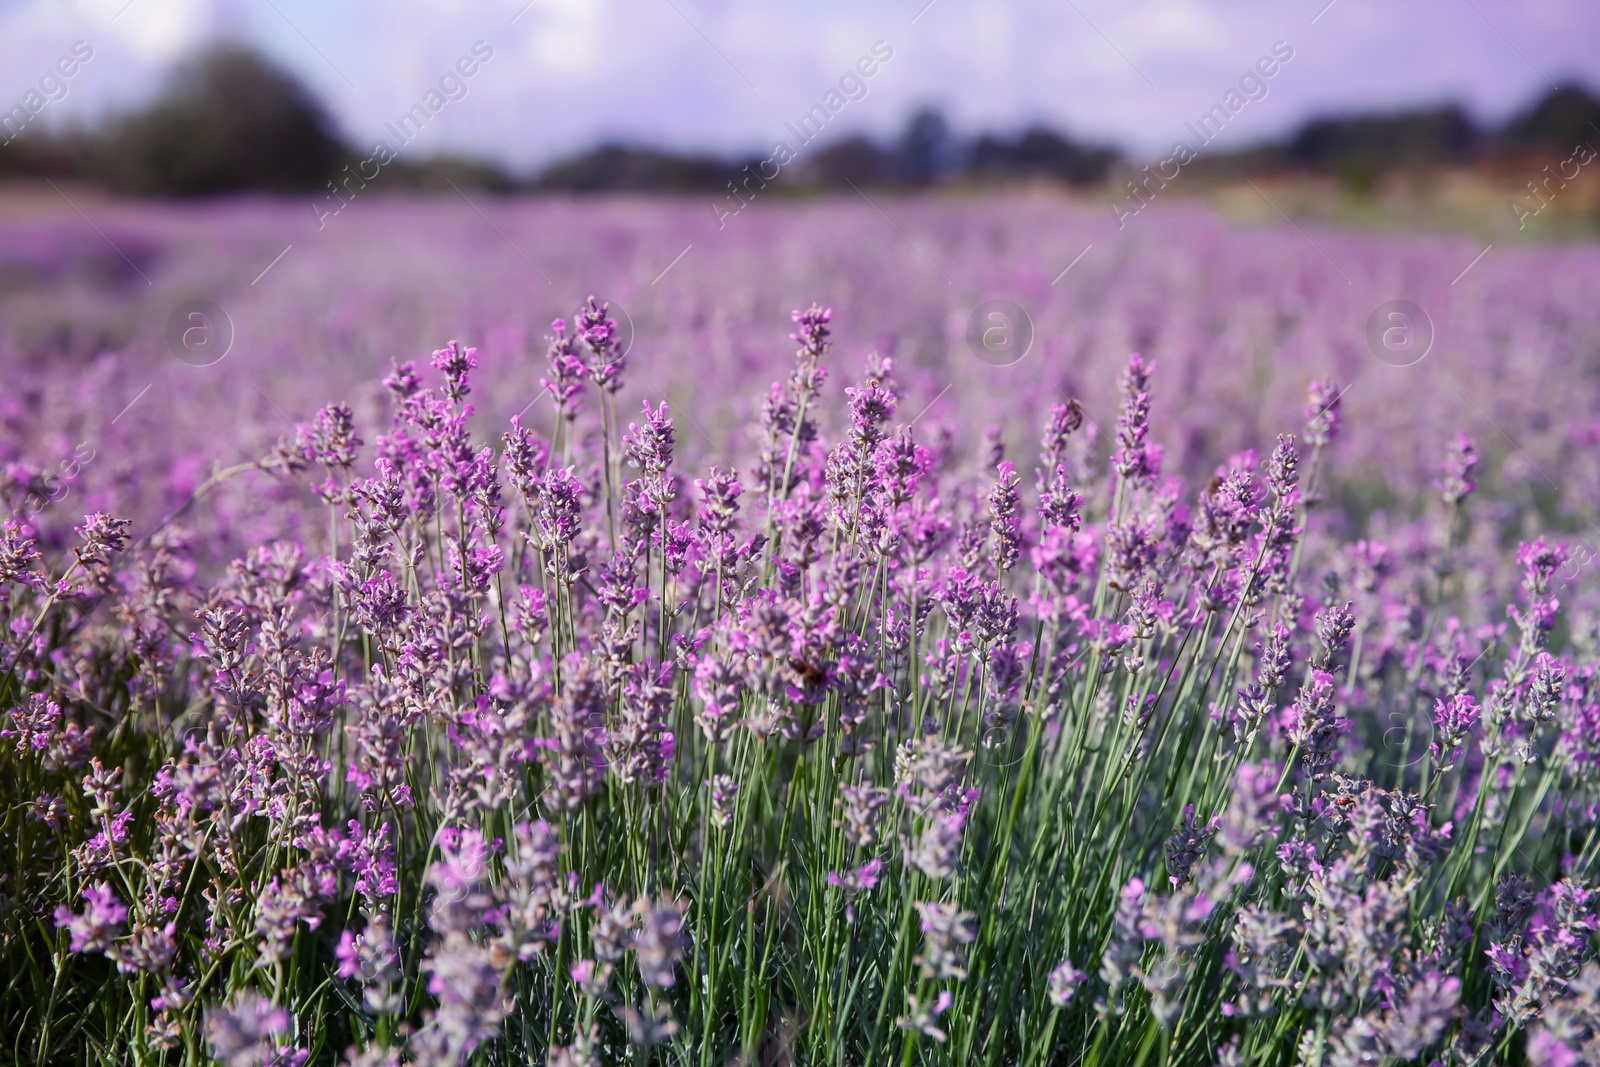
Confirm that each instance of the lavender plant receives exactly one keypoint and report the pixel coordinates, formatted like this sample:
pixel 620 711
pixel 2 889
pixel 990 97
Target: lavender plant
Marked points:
pixel 545 751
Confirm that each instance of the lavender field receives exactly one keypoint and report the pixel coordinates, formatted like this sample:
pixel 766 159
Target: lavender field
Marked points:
pixel 417 661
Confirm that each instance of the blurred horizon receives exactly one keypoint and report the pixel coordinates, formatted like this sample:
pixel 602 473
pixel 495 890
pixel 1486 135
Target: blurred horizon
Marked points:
pixel 565 76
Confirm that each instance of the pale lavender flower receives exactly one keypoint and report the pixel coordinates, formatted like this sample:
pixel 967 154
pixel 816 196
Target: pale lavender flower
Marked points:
pixel 863 879
pixel 1253 808
pixel 530 898
pixel 1455 482
pixel 574 766
pixel 1064 982
pixel 640 749
pixel 372 1056
pixel 166 1029
pixel 938 848
pixel 1187 844
pixel 373 958
pixel 583 1052
pixel 1568 1033
pixel 926 768
pixel 1421 1019
pixel 924 1018
pixel 457 877
pixel 612 930
pixel 945 929
pixel 659 943
pixel 652 1026
pixel 858 812
pixel 1120 960
pixel 470 989
pixel 724 789
pixel 719 686
pixel 1263 948
pixel 280 909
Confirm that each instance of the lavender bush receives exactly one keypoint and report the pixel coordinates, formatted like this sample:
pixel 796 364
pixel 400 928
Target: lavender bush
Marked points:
pixel 876 749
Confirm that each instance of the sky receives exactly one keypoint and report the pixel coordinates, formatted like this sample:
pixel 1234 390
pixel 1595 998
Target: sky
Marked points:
pixel 726 76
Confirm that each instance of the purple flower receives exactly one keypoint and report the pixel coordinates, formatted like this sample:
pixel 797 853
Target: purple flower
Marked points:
pixel 650 448
pixel 924 1018
pixel 945 929
pixel 1254 807
pixel 102 536
pixel 1334 627
pixel 567 371
pixel 1539 562
pixel 1316 725
pixel 1065 420
pixel 718 685
pixel 640 747
pixel 1453 720
pixel 373 958
pixel 721 493
pixel 332 441
pixel 938 847
pixel 597 332
pixel 1005 521
pixel 100 924
pixel 660 942
pixel 560 507
pixel 900 465
pixel 1187 844
pixel 1059 504
pixel 149 949
pixel 813 329
pixel 456 362
pixel 1322 412
pixel 1132 459
pixel 470 989
pixel 243 1033
pixel 1064 982
pixel 34 726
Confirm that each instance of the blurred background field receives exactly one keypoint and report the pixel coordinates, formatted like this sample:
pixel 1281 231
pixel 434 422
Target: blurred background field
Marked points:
pixel 229 173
